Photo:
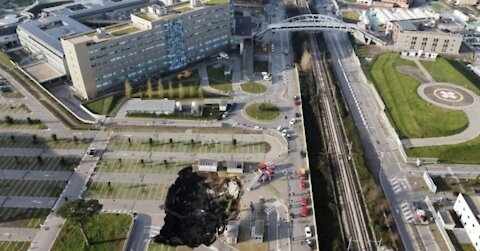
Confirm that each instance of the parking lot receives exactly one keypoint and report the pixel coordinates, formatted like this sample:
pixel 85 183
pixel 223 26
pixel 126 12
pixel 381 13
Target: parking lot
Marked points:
pixel 127 191
pixel 28 142
pixel 23 217
pixel 33 163
pixel 14 245
pixel 33 188
pixel 135 166
pixel 123 144
pixel 4 108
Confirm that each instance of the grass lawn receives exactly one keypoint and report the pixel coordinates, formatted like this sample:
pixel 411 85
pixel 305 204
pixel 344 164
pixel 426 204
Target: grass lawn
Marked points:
pixel 262 111
pixel 104 105
pixel 451 71
pixel 439 7
pixel 260 66
pixel 14 245
pixel 253 87
pixel 105 232
pixel 218 80
pixel 410 114
pixel 152 246
pixel 361 50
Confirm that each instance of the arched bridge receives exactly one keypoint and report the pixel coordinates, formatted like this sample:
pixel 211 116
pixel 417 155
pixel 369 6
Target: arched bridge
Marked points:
pixel 317 22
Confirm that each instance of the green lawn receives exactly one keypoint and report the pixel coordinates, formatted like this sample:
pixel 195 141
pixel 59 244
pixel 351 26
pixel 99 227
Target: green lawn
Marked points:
pixel 218 80
pixel 252 87
pixel 105 232
pixel 262 111
pixel 440 7
pixel 152 246
pixel 14 245
pixel 464 153
pixel 104 105
pixel 451 71
pixel 410 114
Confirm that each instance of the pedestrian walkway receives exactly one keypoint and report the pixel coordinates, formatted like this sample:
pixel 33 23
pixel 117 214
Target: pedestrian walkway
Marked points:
pixel 407 211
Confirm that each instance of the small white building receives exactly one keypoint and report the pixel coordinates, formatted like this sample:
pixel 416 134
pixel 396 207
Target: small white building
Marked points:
pixel 223 105
pixel 467 208
pixel 156 107
pixel 446 219
pixel 207 165
pixel 234 167
pixel 231 232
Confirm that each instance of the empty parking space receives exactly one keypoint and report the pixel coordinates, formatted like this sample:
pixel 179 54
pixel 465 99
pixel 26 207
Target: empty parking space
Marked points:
pixel 127 191
pixel 23 217
pixel 36 164
pixel 31 188
pixel 124 144
pixel 38 142
pixel 14 245
pixel 107 165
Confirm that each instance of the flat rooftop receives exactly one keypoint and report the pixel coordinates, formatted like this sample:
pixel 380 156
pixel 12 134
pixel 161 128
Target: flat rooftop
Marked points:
pixel 177 9
pixel 42 72
pixel 89 7
pixel 474 203
pixel 48 31
pixel 138 105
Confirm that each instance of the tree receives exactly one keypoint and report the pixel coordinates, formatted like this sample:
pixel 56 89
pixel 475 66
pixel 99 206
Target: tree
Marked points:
pixel 200 92
pixel 234 142
pixel 171 91
pixel 128 89
pixel 75 139
pixel 34 139
pixel 39 159
pixel 54 137
pixel 160 91
pixel 150 141
pixel 29 121
pixel 181 91
pixel 79 211
pixel 191 91
pixel 149 89
pixel 170 141
pixel 12 138
pixel 8 120
pixel 62 161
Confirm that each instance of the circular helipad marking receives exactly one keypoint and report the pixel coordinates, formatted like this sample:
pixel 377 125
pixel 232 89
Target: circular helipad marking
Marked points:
pixel 448 94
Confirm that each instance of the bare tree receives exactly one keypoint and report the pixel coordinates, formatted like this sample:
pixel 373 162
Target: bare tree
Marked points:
pixel 128 89
pixel 200 92
pixel 171 91
pixel 181 91
pixel 191 91
pixel 160 91
pixel 149 89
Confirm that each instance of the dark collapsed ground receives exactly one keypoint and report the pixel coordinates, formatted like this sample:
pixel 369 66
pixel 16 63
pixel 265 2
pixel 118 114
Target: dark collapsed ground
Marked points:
pixel 197 207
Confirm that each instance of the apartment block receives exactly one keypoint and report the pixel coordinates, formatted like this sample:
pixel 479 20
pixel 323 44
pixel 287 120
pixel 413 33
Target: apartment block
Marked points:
pixel 408 36
pixel 157 39
pixel 467 208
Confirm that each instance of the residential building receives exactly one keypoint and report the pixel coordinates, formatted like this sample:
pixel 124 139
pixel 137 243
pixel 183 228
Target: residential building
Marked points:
pixel 157 39
pixel 234 167
pixel 410 36
pixel 207 165
pixel 467 208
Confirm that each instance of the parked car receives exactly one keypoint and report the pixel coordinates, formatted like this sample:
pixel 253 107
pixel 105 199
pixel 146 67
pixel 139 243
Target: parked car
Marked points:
pixel 308 232
pixel 91 151
pixel 293 121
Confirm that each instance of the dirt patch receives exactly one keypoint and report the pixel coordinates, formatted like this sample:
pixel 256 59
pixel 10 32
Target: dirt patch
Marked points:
pixel 197 208
pixel 413 72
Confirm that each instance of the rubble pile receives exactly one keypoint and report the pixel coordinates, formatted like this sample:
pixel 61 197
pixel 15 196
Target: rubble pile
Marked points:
pixel 197 208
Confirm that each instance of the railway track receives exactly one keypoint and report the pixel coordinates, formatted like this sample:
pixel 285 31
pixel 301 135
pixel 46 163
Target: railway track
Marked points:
pixel 353 216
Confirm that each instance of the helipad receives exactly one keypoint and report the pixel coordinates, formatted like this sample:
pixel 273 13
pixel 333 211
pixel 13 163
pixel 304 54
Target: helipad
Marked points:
pixel 447 95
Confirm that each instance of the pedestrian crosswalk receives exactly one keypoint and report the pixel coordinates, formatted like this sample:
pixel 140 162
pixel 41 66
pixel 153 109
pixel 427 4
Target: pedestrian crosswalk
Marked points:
pixel 398 184
pixel 272 207
pixel 407 211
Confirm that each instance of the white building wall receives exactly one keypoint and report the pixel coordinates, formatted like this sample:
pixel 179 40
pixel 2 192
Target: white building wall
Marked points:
pixel 469 220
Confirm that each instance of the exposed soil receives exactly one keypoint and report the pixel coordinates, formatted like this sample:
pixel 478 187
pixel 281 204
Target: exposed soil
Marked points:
pixel 198 206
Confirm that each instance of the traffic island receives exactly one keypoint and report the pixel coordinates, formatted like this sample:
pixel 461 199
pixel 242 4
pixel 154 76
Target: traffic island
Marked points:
pixel 262 111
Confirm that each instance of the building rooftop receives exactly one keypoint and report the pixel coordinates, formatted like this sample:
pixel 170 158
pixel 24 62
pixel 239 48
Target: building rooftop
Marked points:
pixel 89 7
pixel 138 105
pixel 405 25
pixel 155 12
pixel 232 229
pixel 474 203
pixel 48 31
pixel 207 162
pixel 259 228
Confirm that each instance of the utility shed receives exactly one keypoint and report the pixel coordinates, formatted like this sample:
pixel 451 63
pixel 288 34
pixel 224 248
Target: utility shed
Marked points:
pixel 156 107
pixel 231 233
pixel 234 167
pixel 258 231
pixel 207 165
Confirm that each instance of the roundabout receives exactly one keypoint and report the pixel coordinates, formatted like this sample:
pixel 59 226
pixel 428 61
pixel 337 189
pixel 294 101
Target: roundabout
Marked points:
pixel 447 95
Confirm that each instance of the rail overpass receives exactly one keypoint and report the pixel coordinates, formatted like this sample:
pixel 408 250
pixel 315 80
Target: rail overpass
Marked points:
pixel 317 22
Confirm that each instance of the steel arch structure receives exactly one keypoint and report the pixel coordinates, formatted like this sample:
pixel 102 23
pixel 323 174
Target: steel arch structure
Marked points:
pixel 317 22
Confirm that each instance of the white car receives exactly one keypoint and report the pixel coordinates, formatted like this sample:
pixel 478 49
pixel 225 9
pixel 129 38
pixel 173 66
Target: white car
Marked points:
pixel 280 128
pixel 293 121
pixel 308 232
pixel 259 128
pixel 284 133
